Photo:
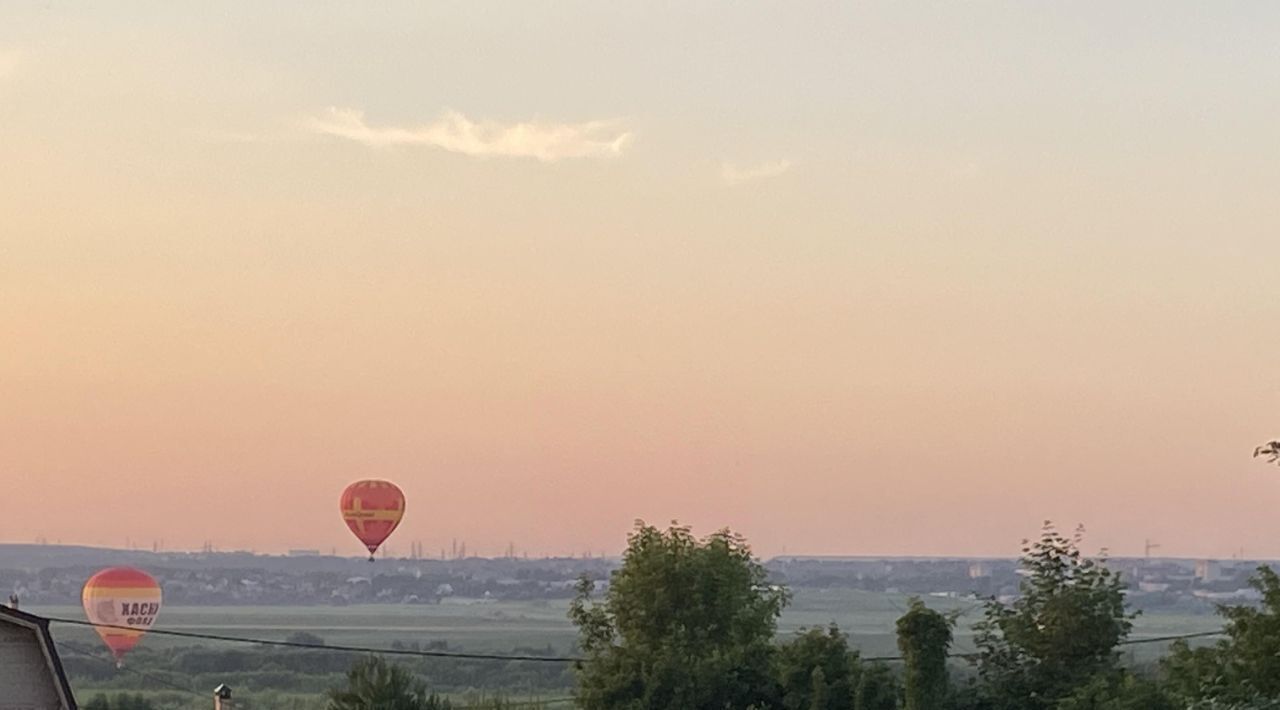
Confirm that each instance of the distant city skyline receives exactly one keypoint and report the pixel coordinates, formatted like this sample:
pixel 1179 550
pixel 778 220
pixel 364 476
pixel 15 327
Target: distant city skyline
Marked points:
pixel 884 279
pixel 417 550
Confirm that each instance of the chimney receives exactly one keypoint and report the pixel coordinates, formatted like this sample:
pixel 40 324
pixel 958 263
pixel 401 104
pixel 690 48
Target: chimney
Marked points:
pixel 222 698
pixel 13 600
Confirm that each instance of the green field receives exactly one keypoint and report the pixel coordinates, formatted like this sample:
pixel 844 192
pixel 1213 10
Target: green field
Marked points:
pixel 868 617
pixel 505 627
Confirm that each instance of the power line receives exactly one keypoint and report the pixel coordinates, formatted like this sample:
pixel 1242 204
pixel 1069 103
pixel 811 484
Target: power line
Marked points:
pixel 330 647
pixel 1175 637
pixel 76 648
pixel 534 703
pixel 460 655
pixel 80 650
pixel 1126 642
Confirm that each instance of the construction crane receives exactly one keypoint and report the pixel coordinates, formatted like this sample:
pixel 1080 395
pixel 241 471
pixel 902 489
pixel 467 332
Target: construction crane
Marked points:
pixel 1148 547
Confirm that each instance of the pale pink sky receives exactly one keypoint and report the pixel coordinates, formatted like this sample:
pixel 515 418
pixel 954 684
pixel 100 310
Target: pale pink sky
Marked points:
pixel 901 279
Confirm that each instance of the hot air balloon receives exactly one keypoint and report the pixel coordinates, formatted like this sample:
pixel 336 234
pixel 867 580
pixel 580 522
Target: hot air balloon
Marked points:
pixel 121 597
pixel 372 510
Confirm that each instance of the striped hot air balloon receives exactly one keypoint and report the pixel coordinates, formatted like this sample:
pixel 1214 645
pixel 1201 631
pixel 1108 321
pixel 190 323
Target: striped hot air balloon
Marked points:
pixel 123 603
pixel 372 509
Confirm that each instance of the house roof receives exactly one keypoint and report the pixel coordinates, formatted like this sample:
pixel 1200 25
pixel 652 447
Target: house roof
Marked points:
pixel 40 625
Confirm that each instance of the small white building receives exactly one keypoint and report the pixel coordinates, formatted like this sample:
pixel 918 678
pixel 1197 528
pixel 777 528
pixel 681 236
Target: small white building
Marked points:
pixel 31 675
pixel 1208 571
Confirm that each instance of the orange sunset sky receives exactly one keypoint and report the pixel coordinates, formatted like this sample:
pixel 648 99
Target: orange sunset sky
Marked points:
pixel 897 278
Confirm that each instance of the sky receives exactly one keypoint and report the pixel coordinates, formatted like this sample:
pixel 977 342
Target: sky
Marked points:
pixel 881 278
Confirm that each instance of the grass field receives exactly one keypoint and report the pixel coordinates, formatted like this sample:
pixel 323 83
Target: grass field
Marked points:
pixel 868 617
pixel 504 627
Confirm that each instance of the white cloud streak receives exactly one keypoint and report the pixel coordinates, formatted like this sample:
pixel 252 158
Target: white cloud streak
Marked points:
pixel 736 175
pixel 454 132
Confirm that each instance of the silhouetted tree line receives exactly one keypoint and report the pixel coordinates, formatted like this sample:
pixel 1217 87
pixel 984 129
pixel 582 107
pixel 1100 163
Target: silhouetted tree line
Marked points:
pixel 122 701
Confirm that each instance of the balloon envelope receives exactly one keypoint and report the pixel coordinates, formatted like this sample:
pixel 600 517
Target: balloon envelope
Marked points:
pixel 372 509
pixel 121 597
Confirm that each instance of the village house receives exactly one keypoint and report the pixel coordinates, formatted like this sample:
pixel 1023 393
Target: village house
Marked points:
pixel 31 674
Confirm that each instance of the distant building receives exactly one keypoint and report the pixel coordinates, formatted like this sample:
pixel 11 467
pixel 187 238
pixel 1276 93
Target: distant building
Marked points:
pixel 1208 571
pixel 31 675
pixel 979 569
pixel 1249 595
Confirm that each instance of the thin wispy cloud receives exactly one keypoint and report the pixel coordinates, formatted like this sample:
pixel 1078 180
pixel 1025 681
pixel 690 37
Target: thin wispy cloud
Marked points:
pixel 736 175
pixel 454 132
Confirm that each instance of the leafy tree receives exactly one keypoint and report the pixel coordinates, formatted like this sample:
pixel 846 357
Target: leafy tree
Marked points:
pixel 924 637
pixel 1119 691
pixel 498 703
pixel 685 623
pixel 819 696
pixel 1269 450
pixel 969 696
pixel 877 689
pixel 120 701
pixel 1059 634
pixel 374 684
pixel 799 662
pixel 1244 668
pixel 1253 704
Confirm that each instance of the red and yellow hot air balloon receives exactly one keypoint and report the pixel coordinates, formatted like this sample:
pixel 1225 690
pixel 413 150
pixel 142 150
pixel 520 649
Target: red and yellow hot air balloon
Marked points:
pixel 372 510
pixel 125 601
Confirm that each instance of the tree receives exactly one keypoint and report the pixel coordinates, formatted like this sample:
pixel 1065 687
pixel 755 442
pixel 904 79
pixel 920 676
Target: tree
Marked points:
pixel 374 684
pixel 1059 634
pixel 1119 691
pixel 121 701
pixel 877 689
pixel 799 662
pixel 1269 450
pixel 685 623
pixel 1242 669
pixel 924 637
pixel 820 693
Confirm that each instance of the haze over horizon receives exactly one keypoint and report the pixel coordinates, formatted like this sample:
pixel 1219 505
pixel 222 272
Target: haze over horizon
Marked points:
pixel 849 280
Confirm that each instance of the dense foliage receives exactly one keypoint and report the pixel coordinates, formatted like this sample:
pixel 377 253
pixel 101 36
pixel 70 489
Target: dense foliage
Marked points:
pixel 121 701
pixel 259 669
pixel 877 689
pixel 1244 668
pixel 817 670
pixel 686 623
pixel 1059 634
pixel 924 637
pixel 375 684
